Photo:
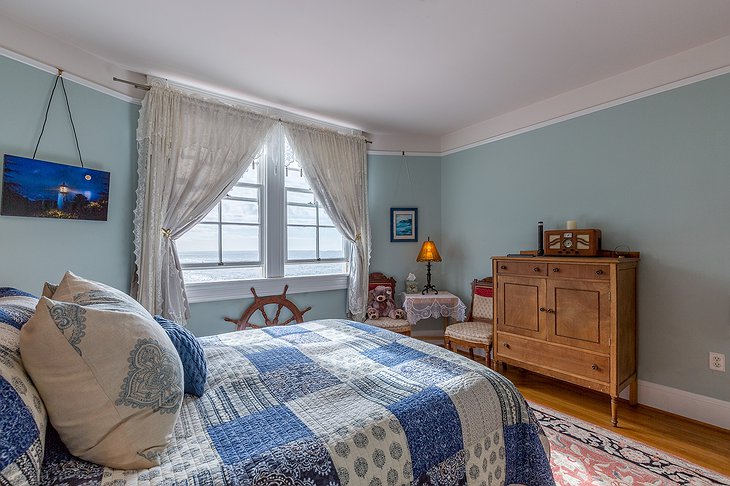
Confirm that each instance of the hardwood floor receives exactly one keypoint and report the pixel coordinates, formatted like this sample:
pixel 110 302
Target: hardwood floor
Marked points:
pixel 693 441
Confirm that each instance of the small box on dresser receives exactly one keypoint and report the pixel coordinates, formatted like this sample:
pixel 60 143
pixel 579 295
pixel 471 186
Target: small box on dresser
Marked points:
pixel 573 319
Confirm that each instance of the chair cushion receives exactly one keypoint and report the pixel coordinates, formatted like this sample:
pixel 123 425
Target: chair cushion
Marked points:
pixel 195 369
pixel 22 414
pixel 473 331
pixel 482 307
pixel 110 378
pixel 395 325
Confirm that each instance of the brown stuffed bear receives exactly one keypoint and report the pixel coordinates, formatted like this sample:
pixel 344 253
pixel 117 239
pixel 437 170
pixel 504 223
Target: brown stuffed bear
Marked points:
pixel 381 304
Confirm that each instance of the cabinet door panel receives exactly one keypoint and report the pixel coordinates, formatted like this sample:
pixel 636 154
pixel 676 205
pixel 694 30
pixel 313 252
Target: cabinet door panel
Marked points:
pixel 581 316
pixel 520 301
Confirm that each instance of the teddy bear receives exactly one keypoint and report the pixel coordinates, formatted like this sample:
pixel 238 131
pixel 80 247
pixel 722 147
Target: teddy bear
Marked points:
pixel 381 304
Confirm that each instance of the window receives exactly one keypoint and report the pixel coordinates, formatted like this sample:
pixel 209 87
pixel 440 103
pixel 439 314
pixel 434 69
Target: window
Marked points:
pixel 268 225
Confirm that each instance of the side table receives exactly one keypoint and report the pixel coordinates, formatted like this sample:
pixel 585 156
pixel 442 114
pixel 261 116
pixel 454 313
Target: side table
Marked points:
pixel 443 304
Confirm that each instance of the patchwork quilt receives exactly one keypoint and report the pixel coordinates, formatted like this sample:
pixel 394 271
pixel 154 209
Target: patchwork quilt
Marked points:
pixel 337 402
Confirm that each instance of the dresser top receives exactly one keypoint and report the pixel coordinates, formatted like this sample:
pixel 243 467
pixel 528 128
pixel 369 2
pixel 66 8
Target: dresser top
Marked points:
pixel 567 259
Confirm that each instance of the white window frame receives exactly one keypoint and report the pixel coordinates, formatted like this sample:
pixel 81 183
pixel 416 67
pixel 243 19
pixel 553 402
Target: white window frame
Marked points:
pixel 273 245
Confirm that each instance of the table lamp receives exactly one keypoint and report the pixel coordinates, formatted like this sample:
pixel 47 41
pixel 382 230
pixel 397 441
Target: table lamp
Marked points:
pixel 428 254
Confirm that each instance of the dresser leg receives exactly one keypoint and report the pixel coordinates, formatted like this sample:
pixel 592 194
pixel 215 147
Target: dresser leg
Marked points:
pixel 614 411
pixel 633 393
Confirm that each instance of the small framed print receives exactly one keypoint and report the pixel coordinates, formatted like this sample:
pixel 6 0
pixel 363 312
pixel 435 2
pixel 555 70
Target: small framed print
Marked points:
pixel 404 224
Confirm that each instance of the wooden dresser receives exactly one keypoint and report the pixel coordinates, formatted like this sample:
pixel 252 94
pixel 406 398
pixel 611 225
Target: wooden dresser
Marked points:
pixel 569 318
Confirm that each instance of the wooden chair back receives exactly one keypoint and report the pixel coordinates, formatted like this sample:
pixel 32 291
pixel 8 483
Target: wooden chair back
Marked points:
pixel 376 278
pixel 480 288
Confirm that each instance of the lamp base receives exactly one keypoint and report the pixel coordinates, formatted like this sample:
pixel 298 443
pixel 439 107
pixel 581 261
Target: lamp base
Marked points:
pixel 428 286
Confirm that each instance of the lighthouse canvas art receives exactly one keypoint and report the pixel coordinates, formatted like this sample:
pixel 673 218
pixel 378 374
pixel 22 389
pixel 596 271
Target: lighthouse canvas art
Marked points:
pixel 40 189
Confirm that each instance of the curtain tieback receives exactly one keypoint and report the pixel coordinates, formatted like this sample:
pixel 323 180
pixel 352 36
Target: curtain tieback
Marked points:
pixel 166 233
pixel 358 237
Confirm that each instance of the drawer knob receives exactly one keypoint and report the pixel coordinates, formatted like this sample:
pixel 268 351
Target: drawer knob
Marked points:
pixel 556 269
pixel 536 269
pixel 594 367
pixel 542 309
pixel 506 345
pixel 599 272
pixel 503 267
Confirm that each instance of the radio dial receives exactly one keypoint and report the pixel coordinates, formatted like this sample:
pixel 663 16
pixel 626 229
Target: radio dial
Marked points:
pixel 567 243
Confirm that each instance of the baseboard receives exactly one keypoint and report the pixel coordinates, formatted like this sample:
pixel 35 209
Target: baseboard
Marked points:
pixel 683 403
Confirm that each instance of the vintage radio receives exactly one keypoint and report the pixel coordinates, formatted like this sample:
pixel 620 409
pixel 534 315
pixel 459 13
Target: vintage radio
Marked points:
pixel 573 242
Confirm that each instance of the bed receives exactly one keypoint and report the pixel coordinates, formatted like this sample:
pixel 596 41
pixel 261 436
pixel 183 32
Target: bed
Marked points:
pixel 335 402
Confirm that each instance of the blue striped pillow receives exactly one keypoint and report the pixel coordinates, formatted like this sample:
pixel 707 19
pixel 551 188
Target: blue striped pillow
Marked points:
pixel 22 414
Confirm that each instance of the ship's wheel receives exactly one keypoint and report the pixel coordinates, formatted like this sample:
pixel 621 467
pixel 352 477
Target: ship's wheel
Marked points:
pixel 290 312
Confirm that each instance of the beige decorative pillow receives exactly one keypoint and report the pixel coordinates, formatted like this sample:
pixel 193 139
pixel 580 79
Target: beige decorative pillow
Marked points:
pixel 111 379
pixel 89 293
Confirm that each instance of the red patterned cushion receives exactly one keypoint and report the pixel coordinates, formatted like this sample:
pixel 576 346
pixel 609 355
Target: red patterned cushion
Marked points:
pixel 484 291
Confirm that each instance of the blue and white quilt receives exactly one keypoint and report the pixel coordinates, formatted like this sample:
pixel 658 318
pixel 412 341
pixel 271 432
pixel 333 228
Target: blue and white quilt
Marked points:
pixel 337 402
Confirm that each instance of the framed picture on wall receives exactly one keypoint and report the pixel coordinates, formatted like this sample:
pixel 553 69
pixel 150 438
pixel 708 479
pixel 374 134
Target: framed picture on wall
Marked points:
pixel 404 224
pixel 40 189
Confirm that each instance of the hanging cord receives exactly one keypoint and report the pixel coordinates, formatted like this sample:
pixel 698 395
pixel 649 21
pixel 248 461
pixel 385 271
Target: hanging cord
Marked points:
pixel 408 174
pixel 68 107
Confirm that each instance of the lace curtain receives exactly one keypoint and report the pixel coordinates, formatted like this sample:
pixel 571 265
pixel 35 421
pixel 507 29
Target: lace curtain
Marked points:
pixel 336 168
pixel 191 153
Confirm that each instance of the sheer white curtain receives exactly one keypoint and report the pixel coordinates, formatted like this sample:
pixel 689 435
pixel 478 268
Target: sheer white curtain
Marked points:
pixel 336 168
pixel 191 152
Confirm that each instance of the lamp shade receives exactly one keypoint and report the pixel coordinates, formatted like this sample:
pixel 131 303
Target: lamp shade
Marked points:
pixel 428 252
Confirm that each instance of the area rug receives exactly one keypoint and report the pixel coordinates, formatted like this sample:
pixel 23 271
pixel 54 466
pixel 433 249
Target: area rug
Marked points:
pixel 584 454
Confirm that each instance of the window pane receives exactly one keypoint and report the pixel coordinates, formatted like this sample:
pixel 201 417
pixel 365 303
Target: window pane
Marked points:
pixel 199 245
pixel 301 215
pixel 212 216
pixel 195 275
pixel 324 220
pixel 330 243
pixel 240 211
pixel 294 177
pixel 299 197
pixel 314 269
pixel 252 173
pixel 241 243
pixel 244 191
pixel 301 243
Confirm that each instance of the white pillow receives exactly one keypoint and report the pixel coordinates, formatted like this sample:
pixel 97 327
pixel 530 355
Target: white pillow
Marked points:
pixel 109 375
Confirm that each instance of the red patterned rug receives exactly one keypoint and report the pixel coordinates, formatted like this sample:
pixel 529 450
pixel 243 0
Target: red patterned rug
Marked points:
pixel 583 454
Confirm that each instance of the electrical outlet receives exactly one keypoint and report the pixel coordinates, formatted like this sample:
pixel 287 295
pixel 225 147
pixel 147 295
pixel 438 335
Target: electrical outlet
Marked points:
pixel 717 361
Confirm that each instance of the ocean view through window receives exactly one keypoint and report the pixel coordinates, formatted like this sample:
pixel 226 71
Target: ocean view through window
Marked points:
pixel 269 225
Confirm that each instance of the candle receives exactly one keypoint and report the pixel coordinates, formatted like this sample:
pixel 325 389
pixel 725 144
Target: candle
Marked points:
pixel 571 224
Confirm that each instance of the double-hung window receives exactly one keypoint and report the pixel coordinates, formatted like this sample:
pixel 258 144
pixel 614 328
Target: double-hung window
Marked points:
pixel 269 225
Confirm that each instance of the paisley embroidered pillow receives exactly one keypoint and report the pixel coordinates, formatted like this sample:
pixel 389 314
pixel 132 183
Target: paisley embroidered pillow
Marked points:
pixel 89 293
pixel 22 414
pixel 111 379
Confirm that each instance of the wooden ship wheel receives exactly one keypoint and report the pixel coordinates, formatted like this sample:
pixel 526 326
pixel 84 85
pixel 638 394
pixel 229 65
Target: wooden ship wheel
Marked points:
pixel 259 305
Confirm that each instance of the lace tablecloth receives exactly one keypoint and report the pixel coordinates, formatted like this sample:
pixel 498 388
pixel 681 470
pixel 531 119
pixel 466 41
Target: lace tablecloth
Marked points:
pixel 445 304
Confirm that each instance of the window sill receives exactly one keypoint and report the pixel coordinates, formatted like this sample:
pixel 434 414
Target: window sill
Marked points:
pixel 241 289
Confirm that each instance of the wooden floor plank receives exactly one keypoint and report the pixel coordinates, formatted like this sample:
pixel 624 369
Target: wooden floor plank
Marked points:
pixel 702 444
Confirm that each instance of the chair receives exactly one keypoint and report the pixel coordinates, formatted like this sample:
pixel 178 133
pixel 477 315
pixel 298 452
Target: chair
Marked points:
pixel 477 330
pixel 259 305
pixel 401 326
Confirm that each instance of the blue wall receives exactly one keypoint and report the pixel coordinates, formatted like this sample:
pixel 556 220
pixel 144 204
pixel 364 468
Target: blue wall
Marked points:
pixel 34 250
pixel 389 186
pixel 653 174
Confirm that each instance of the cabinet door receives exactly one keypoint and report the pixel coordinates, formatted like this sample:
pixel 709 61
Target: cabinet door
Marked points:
pixel 519 302
pixel 579 314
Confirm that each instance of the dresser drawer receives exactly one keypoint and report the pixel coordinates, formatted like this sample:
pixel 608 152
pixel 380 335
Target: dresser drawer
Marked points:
pixel 582 271
pixel 554 357
pixel 506 267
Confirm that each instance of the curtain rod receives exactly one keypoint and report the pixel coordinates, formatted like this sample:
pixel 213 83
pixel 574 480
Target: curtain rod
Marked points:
pixel 147 87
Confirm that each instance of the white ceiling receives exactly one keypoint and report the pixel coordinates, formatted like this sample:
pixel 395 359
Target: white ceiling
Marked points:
pixel 420 67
